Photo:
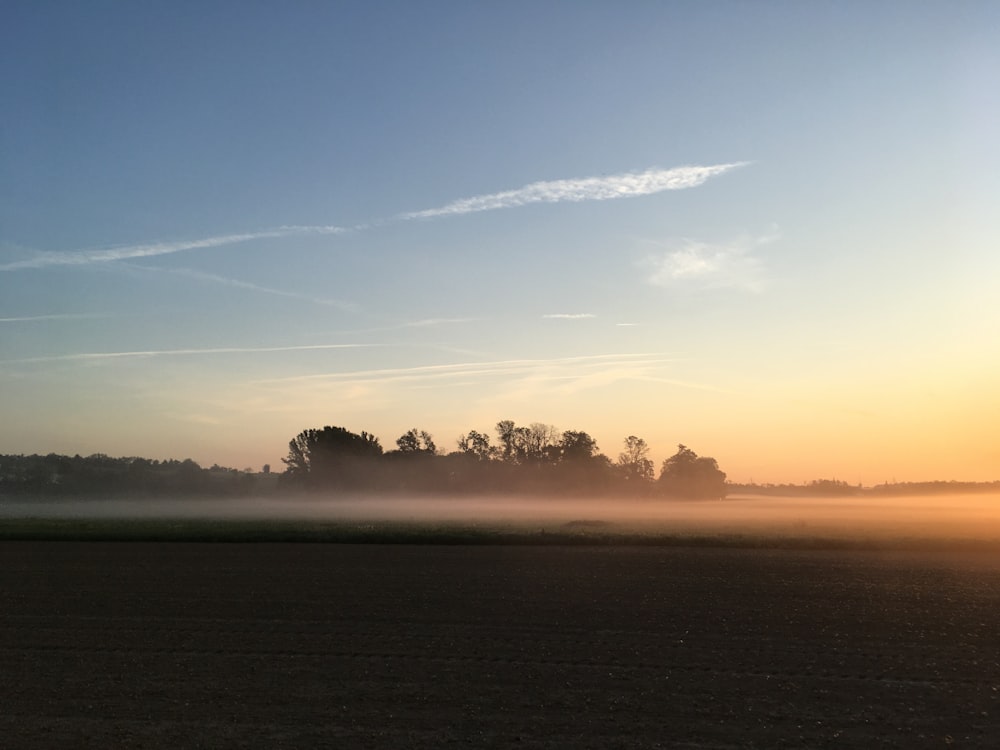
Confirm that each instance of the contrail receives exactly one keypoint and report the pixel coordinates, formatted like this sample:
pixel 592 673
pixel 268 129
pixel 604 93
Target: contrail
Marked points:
pixel 182 352
pixel 57 316
pixel 481 368
pixel 429 322
pixel 238 284
pixel 627 185
pixel 127 252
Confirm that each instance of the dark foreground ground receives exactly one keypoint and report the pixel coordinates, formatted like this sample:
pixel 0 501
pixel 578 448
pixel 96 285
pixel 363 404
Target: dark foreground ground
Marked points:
pixel 349 646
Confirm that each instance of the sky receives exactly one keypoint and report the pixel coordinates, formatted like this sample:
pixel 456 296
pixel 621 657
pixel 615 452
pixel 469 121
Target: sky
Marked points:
pixel 767 231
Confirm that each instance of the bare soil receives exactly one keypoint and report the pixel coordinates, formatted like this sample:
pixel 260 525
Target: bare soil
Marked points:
pixel 145 645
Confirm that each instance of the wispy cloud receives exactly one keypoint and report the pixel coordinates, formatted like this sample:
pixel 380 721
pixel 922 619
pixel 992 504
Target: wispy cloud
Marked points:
pixel 506 368
pixel 431 322
pixel 569 316
pixel 58 316
pixel 609 187
pixel 528 379
pixel 128 252
pixel 499 383
pixel 711 265
pixel 94 356
pixel 238 284
pixel 605 187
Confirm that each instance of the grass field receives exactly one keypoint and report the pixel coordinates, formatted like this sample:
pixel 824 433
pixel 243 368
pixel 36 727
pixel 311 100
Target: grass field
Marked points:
pixel 572 533
pixel 754 522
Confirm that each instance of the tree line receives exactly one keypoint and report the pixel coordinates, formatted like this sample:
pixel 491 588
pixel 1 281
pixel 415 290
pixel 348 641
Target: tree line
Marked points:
pixel 99 475
pixel 536 457
pixel 524 458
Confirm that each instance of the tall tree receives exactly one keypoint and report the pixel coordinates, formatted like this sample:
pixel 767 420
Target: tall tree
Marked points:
pixel 576 446
pixel 685 474
pixel 506 439
pixel 332 455
pixel 536 444
pixel 634 463
pixel 414 441
pixel 475 444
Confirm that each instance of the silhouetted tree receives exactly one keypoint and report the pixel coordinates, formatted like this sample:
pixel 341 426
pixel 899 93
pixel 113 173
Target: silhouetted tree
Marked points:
pixel 634 463
pixel 536 444
pixel 99 474
pixel 475 444
pixel 475 466
pixel 685 474
pixel 576 446
pixel 506 440
pixel 333 456
pixel 829 487
pixel 413 441
pixel 414 465
pixel 580 468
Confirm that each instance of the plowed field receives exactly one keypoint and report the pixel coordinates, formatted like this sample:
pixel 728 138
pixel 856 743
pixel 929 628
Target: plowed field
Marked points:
pixel 145 645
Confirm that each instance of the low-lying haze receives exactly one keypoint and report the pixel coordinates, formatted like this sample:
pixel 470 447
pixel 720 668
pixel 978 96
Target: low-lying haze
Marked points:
pixel 940 517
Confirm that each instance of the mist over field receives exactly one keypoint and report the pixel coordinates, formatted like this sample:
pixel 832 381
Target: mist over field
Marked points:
pixel 934 517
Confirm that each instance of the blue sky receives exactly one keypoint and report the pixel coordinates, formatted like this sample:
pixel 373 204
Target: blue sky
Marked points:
pixel 765 230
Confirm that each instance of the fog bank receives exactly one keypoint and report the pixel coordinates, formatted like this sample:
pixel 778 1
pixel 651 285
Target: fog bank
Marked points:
pixel 959 516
